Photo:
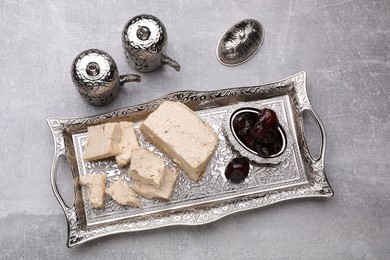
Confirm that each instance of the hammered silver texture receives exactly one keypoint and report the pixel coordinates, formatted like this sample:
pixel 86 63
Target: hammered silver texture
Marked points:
pixel 144 40
pixel 95 76
pixel 240 42
pixel 297 175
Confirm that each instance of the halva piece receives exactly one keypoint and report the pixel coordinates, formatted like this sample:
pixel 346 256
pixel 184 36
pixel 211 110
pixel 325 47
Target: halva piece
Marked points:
pixel 122 193
pixel 102 141
pixel 164 192
pixel 146 167
pixel 180 133
pixel 128 142
pixel 96 185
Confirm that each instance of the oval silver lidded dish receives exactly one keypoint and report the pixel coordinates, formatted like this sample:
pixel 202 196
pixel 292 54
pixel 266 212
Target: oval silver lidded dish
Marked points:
pixel 240 42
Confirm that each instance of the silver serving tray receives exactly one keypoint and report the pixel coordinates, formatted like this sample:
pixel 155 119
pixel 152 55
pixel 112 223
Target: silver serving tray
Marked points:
pixel 293 174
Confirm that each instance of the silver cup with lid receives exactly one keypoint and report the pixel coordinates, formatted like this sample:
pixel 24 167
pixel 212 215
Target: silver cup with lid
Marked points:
pixel 144 40
pixel 95 75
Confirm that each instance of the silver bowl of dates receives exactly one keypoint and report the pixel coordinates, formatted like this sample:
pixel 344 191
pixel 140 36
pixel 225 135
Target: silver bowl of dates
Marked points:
pixel 256 134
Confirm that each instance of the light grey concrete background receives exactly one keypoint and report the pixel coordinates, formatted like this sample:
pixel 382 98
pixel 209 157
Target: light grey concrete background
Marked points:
pixel 344 46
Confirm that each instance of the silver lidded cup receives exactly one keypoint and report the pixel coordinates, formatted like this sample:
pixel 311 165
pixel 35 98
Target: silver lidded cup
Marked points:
pixel 144 40
pixel 96 77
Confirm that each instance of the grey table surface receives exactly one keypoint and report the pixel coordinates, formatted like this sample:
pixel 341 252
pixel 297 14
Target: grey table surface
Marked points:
pixel 344 47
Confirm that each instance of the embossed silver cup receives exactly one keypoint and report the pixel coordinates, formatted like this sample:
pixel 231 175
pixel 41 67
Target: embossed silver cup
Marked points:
pixel 96 77
pixel 144 39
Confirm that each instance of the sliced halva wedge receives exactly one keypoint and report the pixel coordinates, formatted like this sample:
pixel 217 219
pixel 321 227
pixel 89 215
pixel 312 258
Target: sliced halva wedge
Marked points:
pixel 102 141
pixel 128 142
pixel 146 167
pixel 164 192
pixel 180 133
pixel 122 193
pixel 96 185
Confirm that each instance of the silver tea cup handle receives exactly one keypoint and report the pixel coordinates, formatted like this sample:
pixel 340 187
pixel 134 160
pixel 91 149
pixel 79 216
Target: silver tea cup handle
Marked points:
pixel 171 62
pixel 129 78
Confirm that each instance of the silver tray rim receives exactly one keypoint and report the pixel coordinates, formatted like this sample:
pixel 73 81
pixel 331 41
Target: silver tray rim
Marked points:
pixel 294 86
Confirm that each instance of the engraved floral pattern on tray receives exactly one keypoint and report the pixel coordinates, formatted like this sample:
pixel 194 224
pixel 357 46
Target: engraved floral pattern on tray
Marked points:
pixel 213 186
pixel 65 130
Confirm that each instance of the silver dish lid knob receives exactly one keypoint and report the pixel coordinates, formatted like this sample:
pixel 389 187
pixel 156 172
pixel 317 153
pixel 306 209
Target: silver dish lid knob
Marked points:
pixel 144 39
pixel 95 75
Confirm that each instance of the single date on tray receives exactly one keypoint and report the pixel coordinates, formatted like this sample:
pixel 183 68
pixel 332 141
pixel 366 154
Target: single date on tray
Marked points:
pixel 259 131
pixel 237 170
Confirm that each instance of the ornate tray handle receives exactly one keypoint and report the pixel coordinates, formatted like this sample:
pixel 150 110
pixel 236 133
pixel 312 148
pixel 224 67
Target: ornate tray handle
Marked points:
pixel 70 211
pixel 320 126
pixel 53 178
